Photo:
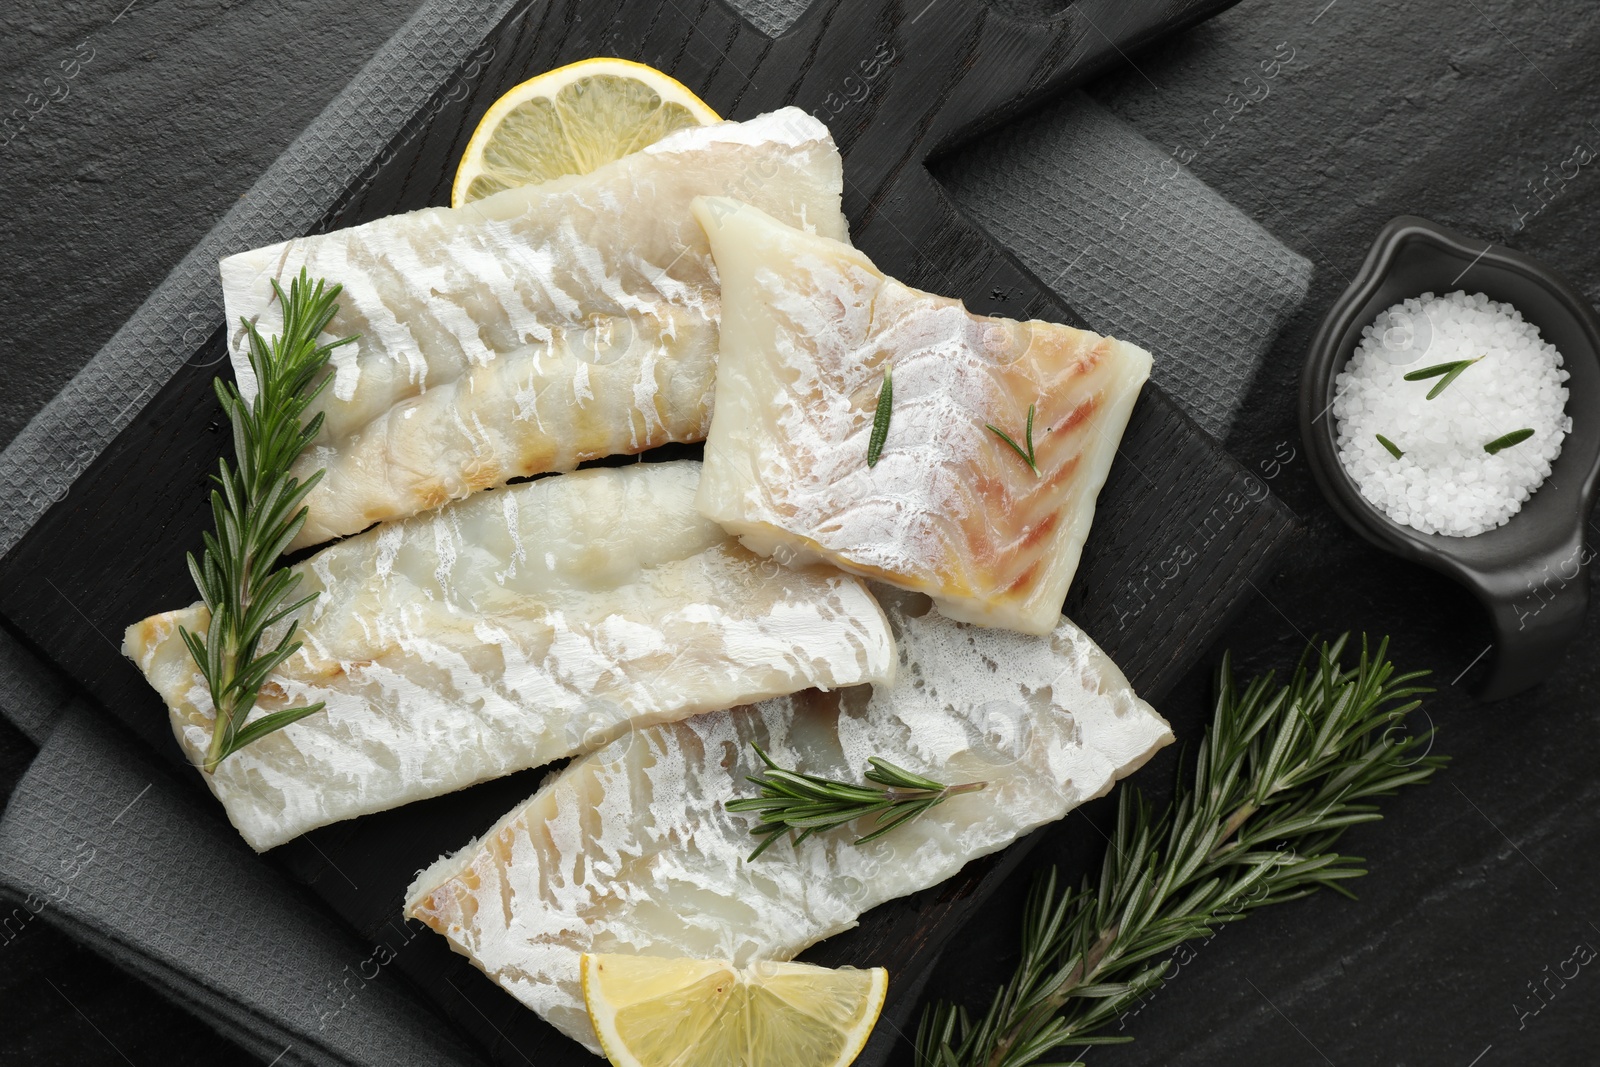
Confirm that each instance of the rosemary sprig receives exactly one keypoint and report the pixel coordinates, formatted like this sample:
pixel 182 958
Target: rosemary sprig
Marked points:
pixel 1027 457
pixel 880 420
pixel 1394 449
pixel 1281 773
pixel 1451 371
pixel 1515 437
pixel 807 803
pixel 256 510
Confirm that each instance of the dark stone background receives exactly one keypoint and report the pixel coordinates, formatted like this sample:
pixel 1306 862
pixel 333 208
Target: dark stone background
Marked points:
pixel 1445 108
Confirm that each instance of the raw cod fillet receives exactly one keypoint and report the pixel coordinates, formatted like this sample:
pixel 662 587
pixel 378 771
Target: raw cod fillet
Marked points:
pixel 532 330
pixel 810 328
pixel 508 630
pixel 630 849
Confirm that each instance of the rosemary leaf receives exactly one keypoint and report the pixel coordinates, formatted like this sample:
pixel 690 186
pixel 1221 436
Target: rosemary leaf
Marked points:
pixel 880 420
pixel 1444 382
pixel 1433 371
pixel 1394 449
pixel 806 803
pixel 1027 455
pixel 257 510
pixel 1450 371
pixel 1515 437
pixel 1279 776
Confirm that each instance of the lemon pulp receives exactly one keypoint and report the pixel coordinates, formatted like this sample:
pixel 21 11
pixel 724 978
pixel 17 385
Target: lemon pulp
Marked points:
pixel 651 1011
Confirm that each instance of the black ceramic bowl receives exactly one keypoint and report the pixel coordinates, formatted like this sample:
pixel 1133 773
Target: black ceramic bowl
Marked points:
pixel 1532 573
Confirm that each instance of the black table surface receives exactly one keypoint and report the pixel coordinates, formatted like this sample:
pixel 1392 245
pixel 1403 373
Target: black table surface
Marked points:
pixel 1482 883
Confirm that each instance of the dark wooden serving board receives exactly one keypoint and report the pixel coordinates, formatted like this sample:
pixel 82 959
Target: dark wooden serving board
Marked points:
pixel 1181 535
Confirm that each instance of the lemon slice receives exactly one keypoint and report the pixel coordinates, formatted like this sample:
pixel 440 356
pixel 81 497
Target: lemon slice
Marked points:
pixel 571 120
pixel 655 1012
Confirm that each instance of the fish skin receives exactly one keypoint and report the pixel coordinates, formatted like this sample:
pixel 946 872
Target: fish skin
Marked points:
pixel 810 328
pixel 529 331
pixel 508 630
pixel 630 848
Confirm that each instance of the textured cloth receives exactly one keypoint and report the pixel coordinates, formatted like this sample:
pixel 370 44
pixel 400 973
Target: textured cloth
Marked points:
pixel 771 17
pixel 1068 189
pixel 100 839
pixel 33 695
pixel 1137 246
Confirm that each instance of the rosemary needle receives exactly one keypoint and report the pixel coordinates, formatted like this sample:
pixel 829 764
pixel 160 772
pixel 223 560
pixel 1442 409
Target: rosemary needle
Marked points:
pixel 806 803
pixel 1450 371
pixel 1281 773
pixel 880 420
pixel 1515 437
pixel 1027 456
pixel 256 509
pixel 1394 449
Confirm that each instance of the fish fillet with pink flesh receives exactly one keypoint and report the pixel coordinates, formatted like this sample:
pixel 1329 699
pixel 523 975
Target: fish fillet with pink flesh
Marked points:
pixel 811 332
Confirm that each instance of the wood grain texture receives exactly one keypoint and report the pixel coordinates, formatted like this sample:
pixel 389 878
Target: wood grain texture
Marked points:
pixel 1182 531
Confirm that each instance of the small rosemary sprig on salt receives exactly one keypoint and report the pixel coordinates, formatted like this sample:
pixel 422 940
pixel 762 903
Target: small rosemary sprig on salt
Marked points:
pixel 256 510
pixel 1450 371
pixel 1280 775
pixel 806 803
pixel 1394 449
pixel 1027 457
pixel 880 420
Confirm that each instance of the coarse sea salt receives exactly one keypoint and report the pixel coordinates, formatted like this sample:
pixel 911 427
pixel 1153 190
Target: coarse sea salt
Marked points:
pixel 1444 482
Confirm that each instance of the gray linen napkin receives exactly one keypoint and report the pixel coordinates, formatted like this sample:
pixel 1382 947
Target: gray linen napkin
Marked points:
pixel 100 840
pixel 33 695
pixel 1181 272
pixel 771 17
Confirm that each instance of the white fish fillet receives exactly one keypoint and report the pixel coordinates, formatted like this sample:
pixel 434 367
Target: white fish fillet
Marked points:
pixel 810 329
pixel 532 330
pixel 511 629
pixel 630 848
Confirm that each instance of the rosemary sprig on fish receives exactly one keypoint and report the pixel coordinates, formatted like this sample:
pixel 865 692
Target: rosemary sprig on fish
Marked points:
pixel 256 508
pixel 880 419
pixel 1281 774
pixel 1027 456
pixel 806 803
